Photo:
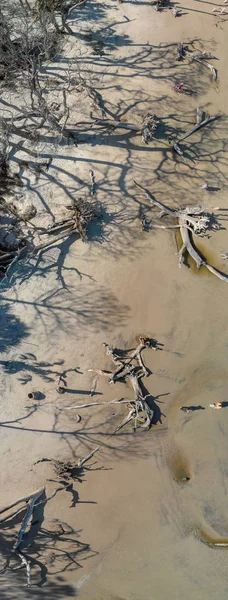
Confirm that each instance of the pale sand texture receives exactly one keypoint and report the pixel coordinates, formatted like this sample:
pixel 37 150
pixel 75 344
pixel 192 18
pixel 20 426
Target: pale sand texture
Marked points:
pixel 143 528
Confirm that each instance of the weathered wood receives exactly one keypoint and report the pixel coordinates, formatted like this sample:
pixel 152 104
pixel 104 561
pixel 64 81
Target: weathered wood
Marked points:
pixel 217 273
pixel 190 219
pixel 152 200
pixel 89 404
pixel 23 499
pixel 196 127
pixel 200 58
pixel 199 260
pixel 30 503
pixel 136 354
pixel 30 507
pixel 140 399
pixel 187 244
pixel 126 370
pixel 82 461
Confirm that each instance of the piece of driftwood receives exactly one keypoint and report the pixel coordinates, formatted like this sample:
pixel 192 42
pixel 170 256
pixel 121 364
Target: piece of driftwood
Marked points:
pixel 136 354
pixel 67 470
pixel 82 461
pixel 139 411
pixel 190 220
pixel 176 12
pixel 30 503
pixel 94 385
pixel 200 122
pixel 23 499
pixel 180 52
pixel 147 129
pixel 199 116
pixel 82 213
pixel 90 404
pixel 220 10
pixel 196 127
pixel 200 57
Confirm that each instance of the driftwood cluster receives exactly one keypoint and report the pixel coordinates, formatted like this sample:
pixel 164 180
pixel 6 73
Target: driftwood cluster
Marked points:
pixel 190 220
pixel 81 213
pixel 66 473
pixel 139 410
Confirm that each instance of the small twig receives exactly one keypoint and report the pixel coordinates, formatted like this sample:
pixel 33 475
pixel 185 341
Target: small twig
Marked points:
pixel 116 401
pixel 94 385
pixel 82 461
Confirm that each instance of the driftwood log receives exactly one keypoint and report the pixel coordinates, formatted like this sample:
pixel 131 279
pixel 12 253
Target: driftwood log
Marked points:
pixel 201 121
pixel 139 410
pixel 189 220
pixel 28 505
pixel 200 57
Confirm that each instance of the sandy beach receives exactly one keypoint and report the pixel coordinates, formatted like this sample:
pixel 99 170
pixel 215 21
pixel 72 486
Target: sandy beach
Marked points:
pixel 146 518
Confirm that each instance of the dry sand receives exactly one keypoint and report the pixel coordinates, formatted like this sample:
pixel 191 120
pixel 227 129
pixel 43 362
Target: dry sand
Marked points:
pixel 133 529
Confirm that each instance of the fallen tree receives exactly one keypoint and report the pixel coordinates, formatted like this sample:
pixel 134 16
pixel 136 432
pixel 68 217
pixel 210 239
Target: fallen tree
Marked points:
pixel 189 220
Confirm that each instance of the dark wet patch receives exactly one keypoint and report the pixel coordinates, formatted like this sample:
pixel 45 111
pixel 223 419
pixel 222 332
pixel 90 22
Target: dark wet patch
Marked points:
pixel 179 466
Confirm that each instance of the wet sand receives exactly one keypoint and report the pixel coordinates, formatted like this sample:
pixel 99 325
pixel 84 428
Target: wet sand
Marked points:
pixel 135 528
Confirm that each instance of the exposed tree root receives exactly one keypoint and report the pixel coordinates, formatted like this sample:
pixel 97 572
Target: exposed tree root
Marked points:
pixel 66 470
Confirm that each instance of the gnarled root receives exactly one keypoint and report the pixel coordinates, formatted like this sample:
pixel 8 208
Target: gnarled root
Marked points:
pixel 190 220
